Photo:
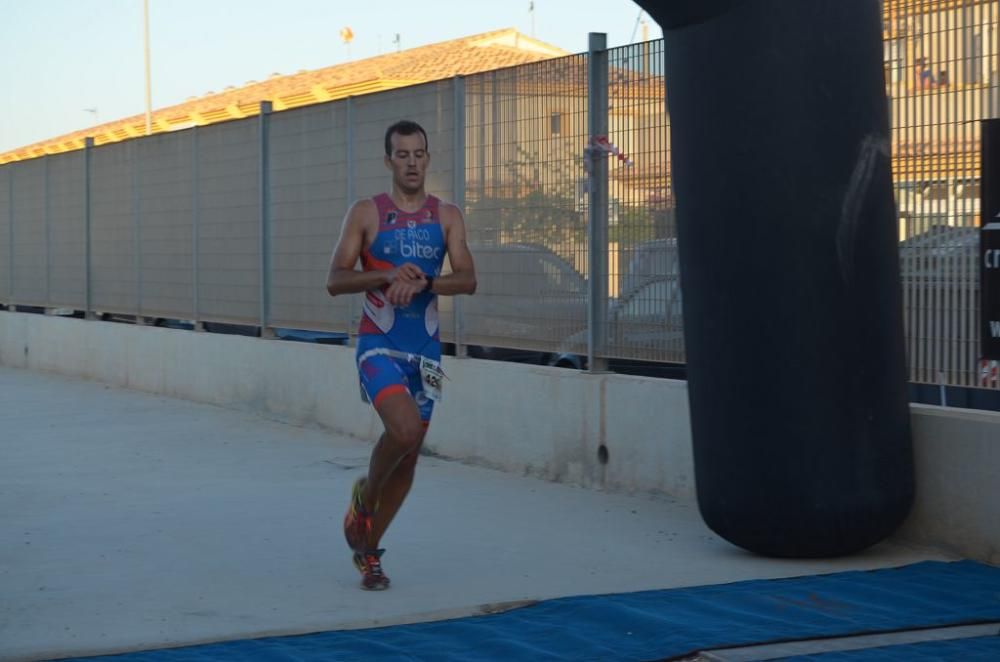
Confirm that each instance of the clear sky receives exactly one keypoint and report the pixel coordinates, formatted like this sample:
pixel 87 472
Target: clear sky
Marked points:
pixel 59 58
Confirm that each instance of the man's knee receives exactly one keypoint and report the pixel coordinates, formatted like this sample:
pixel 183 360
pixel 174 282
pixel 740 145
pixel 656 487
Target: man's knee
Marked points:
pixel 408 435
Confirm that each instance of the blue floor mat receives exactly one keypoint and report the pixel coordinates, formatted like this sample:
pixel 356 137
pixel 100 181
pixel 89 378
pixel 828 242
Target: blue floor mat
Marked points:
pixel 973 649
pixel 653 625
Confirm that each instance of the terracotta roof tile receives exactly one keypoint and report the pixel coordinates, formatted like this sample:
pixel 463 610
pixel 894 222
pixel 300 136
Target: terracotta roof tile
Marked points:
pixel 468 55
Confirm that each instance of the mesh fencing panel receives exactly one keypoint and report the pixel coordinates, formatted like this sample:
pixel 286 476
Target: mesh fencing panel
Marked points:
pixel 229 222
pixel 308 180
pixel 6 245
pixel 31 262
pixel 67 230
pixel 525 132
pixel 941 78
pixel 644 317
pixel 165 180
pixel 114 284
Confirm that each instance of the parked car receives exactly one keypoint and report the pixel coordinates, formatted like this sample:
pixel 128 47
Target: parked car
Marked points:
pixel 527 295
pixel 646 320
pixel 318 337
pixel 294 335
pixel 943 256
pixel 939 270
pixel 209 327
pixel 649 261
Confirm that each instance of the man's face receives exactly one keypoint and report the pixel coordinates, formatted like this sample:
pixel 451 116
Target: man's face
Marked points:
pixel 408 161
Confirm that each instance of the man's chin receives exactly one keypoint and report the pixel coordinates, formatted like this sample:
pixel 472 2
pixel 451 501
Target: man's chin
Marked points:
pixel 410 189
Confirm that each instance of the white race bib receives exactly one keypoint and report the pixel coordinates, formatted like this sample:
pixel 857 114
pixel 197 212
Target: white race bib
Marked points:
pixel 432 378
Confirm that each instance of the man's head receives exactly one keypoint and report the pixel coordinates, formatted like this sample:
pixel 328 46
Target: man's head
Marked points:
pixel 407 156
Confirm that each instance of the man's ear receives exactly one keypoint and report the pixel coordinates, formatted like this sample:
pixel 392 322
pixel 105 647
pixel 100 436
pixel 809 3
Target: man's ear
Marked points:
pixel 386 161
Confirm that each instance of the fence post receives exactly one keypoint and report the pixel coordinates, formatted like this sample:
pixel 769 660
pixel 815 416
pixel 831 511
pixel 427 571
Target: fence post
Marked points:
pixel 352 299
pixel 458 189
pixel 195 230
pixel 10 236
pixel 264 124
pixel 597 226
pixel 133 147
pixel 88 151
pixel 47 190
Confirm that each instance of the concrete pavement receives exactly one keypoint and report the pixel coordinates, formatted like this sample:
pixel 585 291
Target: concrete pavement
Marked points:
pixel 131 521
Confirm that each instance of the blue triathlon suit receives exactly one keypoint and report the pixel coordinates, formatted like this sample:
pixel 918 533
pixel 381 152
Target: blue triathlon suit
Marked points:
pixel 388 332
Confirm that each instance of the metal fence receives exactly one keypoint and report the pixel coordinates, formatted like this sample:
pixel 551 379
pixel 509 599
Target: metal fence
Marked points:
pixel 526 128
pixel 232 222
pixel 941 69
pixel 235 222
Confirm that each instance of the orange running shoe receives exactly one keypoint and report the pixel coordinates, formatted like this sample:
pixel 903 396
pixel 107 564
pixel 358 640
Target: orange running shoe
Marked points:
pixel 369 564
pixel 358 522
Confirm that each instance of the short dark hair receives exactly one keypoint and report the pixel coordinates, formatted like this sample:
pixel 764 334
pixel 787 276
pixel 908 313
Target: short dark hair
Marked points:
pixel 404 128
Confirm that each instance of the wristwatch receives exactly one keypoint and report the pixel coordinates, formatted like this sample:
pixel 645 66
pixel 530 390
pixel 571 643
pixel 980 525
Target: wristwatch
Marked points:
pixel 430 283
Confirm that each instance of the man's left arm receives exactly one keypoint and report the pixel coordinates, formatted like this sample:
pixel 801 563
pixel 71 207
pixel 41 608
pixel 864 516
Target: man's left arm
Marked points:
pixel 462 279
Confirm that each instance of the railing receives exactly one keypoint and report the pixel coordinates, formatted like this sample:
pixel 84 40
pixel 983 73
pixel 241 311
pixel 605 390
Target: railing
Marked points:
pixel 235 222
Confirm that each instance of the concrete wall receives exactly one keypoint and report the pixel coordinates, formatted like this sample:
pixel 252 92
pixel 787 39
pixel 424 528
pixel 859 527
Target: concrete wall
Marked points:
pixel 957 455
pixel 300 383
pixel 541 421
pixel 548 422
pixel 551 422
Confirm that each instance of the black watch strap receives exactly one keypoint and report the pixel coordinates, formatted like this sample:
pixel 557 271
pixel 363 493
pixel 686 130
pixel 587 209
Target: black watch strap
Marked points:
pixel 430 283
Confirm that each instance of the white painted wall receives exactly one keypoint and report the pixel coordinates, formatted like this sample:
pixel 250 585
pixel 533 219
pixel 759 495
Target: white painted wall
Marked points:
pixel 547 422
pixel 297 382
pixel 957 505
pixel 542 421
pixel 551 422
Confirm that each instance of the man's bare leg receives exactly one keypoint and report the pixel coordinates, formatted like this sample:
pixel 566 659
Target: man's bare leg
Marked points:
pixel 391 469
pixel 394 492
pixel 381 494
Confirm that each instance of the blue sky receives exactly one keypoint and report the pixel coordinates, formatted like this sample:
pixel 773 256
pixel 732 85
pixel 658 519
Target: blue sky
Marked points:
pixel 61 57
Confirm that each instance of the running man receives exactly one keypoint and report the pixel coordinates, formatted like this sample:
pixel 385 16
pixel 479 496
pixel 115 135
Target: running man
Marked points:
pixel 401 239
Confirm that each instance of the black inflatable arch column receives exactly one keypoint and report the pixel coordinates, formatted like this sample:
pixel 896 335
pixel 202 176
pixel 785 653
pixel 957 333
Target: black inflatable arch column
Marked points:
pixel 789 264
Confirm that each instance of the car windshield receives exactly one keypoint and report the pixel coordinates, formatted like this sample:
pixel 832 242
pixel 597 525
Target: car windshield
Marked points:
pixel 649 261
pixel 659 299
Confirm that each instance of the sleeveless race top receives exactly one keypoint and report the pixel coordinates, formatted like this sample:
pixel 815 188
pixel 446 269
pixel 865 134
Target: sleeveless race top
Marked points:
pixel 403 237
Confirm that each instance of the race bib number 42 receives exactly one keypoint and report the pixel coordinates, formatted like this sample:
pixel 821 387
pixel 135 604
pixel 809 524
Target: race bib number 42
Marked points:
pixel 432 377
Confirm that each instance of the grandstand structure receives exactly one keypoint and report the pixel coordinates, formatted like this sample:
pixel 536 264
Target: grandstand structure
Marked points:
pixel 456 57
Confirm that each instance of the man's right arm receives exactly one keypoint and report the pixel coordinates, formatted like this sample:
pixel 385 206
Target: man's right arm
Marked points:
pixel 343 278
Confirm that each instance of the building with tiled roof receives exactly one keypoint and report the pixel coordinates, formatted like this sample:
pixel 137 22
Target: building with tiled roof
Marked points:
pixel 468 55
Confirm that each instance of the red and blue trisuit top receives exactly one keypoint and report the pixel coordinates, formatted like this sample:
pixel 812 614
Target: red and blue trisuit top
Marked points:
pixel 391 339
